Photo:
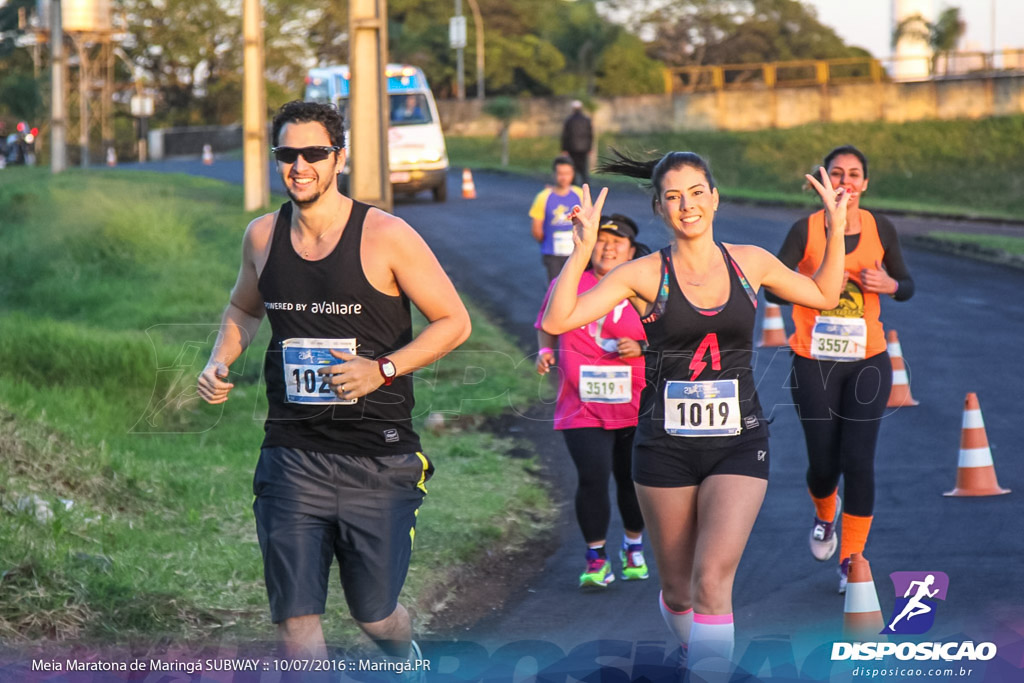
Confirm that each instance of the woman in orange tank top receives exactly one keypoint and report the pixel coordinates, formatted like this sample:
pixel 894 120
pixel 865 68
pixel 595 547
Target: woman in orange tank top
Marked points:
pixel 842 375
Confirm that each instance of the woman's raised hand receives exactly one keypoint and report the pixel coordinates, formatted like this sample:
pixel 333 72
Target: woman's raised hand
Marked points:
pixel 835 201
pixel 586 220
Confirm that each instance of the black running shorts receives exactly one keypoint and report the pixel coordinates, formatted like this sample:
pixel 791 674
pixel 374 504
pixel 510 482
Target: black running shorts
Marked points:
pixel 670 469
pixel 312 507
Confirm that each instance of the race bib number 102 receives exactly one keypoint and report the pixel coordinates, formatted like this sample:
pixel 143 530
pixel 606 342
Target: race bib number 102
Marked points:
pixel 710 408
pixel 302 359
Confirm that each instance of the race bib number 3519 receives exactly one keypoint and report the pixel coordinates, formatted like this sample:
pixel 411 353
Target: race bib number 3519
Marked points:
pixel 709 408
pixel 302 358
pixel 606 384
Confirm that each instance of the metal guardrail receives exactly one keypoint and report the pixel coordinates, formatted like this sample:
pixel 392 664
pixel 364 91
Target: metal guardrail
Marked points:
pixel 824 72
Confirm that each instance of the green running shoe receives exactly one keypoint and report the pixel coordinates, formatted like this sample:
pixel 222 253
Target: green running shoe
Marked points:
pixel 634 568
pixel 598 573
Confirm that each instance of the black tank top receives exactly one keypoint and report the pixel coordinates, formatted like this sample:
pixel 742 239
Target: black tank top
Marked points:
pixel 332 299
pixel 691 344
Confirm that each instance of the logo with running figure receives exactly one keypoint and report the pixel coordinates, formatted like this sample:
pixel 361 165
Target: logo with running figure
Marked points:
pixel 916 596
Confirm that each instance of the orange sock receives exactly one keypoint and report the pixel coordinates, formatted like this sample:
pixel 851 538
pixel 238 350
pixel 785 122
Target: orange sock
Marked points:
pixel 854 535
pixel 825 507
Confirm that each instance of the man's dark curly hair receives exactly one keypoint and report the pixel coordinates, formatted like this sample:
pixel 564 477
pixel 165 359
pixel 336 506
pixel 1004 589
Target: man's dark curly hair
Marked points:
pixel 304 112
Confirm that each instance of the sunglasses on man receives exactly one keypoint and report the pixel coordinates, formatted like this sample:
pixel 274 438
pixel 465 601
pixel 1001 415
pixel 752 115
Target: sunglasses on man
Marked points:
pixel 289 155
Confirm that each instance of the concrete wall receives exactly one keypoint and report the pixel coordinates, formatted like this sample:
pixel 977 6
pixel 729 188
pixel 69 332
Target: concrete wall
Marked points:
pixel 757 109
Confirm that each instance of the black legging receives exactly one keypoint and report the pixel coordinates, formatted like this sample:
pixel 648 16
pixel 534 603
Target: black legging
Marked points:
pixel 840 406
pixel 598 453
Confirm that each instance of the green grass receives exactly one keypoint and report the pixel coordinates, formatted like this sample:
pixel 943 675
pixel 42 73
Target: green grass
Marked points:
pixel 1012 245
pixel 953 167
pixel 112 286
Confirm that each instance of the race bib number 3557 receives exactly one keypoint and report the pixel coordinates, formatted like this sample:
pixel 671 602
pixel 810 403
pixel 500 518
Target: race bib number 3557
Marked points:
pixel 710 408
pixel 302 358
pixel 839 339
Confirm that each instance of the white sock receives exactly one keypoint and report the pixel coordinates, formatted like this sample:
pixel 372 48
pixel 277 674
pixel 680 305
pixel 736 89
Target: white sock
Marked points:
pixel 712 635
pixel 679 623
pixel 628 540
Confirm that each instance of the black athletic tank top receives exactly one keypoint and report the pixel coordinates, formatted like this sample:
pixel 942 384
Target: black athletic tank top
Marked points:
pixel 332 299
pixel 691 344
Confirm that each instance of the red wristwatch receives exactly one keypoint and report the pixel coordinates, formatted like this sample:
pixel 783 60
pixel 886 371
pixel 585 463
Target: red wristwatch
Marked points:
pixel 387 370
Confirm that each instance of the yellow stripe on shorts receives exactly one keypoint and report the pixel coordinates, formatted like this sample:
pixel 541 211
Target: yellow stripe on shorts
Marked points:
pixel 422 484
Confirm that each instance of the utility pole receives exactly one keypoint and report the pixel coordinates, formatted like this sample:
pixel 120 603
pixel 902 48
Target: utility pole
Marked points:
pixel 478 25
pixel 84 64
pixel 370 179
pixel 254 116
pixel 457 39
pixel 58 115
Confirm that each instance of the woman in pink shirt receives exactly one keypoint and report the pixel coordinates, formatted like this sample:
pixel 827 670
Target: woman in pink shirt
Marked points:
pixel 601 368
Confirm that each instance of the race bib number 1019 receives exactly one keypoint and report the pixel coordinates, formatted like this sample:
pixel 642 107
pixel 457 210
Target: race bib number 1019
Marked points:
pixel 710 408
pixel 302 359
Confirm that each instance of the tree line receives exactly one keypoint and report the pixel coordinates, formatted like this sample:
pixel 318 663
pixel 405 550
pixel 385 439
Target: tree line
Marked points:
pixel 189 52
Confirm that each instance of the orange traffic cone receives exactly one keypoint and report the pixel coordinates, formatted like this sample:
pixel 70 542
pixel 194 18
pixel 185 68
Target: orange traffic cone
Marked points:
pixel 468 188
pixel 862 616
pixel 208 155
pixel 111 157
pixel 976 473
pixel 773 331
pixel 900 396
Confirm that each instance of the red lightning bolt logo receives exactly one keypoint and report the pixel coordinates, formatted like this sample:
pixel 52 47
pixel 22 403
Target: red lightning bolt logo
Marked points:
pixel 697 364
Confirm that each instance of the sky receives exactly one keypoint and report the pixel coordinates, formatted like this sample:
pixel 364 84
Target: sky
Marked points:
pixel 868 23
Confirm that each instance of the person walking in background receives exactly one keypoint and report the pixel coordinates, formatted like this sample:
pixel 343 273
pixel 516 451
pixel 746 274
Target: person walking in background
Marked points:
pixel 842 375
pixel 601 369
pixel 549 213
pixel 578 140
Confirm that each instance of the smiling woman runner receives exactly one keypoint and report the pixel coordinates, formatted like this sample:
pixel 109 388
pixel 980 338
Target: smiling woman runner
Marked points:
pixel 842 375
pixel 601 375
pixel 700 458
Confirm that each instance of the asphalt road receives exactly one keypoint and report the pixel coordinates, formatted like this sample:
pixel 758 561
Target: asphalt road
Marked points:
pixel 960 333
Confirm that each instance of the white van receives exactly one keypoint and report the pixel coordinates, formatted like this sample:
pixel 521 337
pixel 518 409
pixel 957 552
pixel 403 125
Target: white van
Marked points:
pixel 416 151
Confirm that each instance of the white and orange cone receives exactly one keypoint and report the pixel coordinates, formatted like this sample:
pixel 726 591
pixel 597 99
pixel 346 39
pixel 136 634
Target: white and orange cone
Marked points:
pixel 862 615
pixel 900 396
pixel 207 155
pixel 468 188
pixel 773 331
pixel 976 473
pixel 111 157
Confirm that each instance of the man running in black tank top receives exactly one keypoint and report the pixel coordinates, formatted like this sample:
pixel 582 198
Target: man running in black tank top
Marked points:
pixel 340 471
pixel 700 455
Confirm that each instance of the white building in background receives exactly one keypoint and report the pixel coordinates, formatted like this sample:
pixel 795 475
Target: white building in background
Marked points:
pixel 912 55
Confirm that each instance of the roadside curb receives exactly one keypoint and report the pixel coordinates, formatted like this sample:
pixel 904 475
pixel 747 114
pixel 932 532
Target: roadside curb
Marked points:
pixel 966 249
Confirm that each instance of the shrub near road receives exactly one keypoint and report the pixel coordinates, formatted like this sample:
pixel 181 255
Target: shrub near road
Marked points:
pixel 126 501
